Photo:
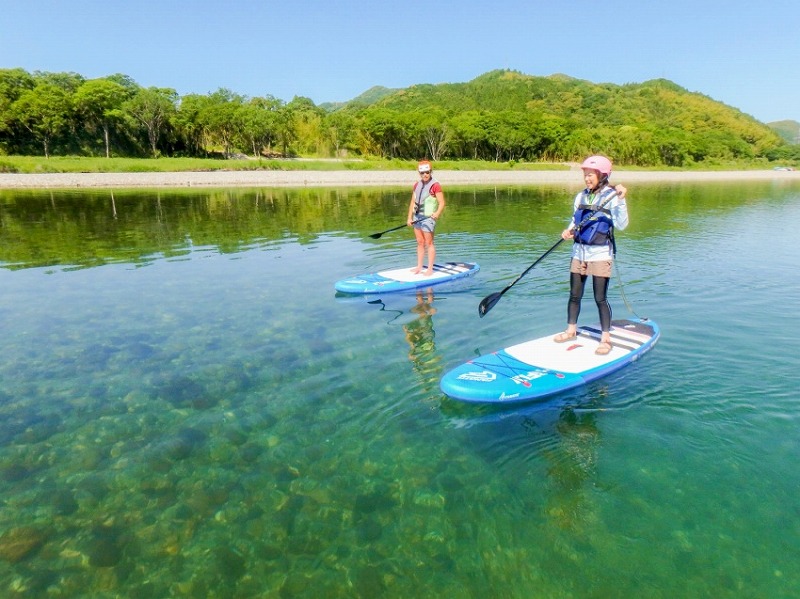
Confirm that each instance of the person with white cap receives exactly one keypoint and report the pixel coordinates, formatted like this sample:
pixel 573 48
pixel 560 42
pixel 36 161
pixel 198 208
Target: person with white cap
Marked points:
pixel 427 204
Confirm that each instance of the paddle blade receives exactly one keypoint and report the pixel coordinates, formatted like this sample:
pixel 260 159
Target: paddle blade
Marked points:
pixel 488 303
pixel 376 235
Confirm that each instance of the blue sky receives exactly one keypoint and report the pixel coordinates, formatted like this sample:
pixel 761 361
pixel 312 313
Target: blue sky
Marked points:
pixel 745 54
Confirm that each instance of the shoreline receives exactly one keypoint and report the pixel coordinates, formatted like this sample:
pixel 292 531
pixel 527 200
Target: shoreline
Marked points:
pixel 350 178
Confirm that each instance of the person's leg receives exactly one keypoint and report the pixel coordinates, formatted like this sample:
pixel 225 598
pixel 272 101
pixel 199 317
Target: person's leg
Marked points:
pixel 431 252
pixel 577 282
pixel 600 287
pixel 420 236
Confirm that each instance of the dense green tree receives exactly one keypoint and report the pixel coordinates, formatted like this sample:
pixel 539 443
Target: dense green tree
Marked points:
pixel 99 102
pixel 387 130
pixel 44 111
pixel 550 131
pixel 260 120
pixel 69 82
pixel 13 82
pixel 430 133
pixel 152 108
pixel 305 128
pixel 470 130
pixel 221 119
pixel 188 124
pixel 340 128
pixel 510 135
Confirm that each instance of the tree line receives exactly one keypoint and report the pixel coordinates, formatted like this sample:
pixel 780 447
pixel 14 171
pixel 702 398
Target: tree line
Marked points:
pixel 499 116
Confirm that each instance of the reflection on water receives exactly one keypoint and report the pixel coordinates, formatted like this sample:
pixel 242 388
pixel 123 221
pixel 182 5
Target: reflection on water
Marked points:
pixel 421 340
pixel 220 424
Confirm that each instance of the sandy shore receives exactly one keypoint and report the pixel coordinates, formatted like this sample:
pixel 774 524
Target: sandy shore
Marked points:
pixel 222 179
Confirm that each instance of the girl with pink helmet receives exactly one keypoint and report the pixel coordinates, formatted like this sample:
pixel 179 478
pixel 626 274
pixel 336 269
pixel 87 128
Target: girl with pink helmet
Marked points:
pixel 598 211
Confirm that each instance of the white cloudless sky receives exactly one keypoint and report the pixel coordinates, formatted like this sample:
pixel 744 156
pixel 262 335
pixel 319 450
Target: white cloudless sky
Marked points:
pixel 745 54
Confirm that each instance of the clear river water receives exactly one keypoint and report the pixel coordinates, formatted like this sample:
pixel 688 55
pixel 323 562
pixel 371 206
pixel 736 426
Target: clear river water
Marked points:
pixel 188 408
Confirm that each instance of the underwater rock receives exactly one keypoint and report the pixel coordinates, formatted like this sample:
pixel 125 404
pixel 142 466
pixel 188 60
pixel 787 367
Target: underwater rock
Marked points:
pixel 369 530
pixel 103 553
pixel 104 549
pixel 270 552
pixel 205 500
pixel 18 543
pixel 39 428
pixel 183 392
pixel 140 351
pixel 369 582
pixel 15 473
pixel 161 490
pixel 250 452
pixel 93 485
pixel 295 585
pixel 178 447
pixel 64 503
pixel 95 356
pixel 175 448
pixel 375 501
pixel 193 435
pixel 231 563
pixel 305 545
pixel 236 436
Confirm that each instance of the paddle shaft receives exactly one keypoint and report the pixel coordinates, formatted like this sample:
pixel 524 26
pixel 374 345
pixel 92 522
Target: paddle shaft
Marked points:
pixel 527 270
pixel 377 235
pixel 490 300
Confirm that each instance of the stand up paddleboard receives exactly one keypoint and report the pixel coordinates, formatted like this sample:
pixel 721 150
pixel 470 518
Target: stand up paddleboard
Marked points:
pixel 402 279
pixel 542 367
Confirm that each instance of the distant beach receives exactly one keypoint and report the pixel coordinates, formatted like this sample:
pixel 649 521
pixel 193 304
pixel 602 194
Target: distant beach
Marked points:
pixel 349 178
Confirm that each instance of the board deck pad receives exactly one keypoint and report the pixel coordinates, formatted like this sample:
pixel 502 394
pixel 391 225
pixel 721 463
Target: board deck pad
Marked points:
pixel 401 279
pixel 541 367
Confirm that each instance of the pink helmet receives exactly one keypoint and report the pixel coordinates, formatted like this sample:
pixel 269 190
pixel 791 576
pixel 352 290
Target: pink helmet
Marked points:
pixel 598 163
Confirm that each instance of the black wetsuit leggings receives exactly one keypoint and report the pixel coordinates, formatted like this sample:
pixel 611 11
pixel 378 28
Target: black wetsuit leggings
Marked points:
pixel 600 287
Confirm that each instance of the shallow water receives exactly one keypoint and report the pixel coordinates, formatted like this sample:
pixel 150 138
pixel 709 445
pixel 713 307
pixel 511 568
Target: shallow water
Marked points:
pixel 187 409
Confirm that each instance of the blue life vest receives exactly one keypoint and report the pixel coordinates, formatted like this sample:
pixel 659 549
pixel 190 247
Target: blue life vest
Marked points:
pixel 598 230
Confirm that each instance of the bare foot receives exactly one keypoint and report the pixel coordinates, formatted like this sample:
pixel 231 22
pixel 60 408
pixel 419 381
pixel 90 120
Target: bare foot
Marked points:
pixel 416 271
pixel 428 272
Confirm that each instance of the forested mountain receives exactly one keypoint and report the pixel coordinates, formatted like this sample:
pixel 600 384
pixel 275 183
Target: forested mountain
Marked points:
pixel 656 122
pixel 372 95
pixel 500 116
pixel 788 130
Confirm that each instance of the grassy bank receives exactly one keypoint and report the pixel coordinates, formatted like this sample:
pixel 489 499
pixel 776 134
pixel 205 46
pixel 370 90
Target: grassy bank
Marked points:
pixel 77 164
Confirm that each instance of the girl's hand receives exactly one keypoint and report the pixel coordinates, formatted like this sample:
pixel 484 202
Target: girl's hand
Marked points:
pixel 621 190
pixel 567 234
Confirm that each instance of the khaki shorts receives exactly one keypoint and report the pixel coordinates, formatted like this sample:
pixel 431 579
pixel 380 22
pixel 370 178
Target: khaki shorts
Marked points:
pixel 598 268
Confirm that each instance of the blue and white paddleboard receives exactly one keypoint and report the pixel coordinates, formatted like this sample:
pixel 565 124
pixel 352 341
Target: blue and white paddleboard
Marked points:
pixel 542 367
pixel 403 279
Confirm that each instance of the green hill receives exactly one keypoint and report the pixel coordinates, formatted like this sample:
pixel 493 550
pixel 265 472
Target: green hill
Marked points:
pixel 371 96
pixel 788 130
pixel 657 121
